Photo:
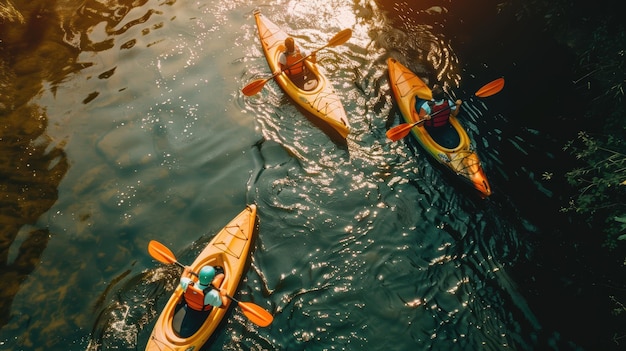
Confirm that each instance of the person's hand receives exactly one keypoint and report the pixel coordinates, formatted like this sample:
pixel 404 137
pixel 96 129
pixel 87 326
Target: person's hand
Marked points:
pixel 427 117
pixel 458 102
pixel 224 297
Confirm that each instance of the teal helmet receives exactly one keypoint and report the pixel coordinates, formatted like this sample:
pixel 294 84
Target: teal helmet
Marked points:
pixel 207 273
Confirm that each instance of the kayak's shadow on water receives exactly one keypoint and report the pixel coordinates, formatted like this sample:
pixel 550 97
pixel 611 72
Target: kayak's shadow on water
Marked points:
pixel 334 136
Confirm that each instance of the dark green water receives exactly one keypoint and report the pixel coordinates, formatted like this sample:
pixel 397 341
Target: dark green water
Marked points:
pixel 124 121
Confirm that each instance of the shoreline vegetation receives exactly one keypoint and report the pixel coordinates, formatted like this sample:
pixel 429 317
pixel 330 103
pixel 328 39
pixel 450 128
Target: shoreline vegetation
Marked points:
pixel 595 208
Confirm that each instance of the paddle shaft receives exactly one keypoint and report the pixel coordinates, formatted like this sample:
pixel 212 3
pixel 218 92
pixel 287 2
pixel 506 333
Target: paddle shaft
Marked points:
pixel 196 274
pixel 297 62
pixel 336 40
pixel 434 114
pixel 400 131
pixel 258 84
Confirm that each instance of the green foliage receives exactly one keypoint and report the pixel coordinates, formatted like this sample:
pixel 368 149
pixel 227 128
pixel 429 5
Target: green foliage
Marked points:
pixel 601 180
pixel 622 228
pixel 601 52
pixel 604 60
pixel 601 183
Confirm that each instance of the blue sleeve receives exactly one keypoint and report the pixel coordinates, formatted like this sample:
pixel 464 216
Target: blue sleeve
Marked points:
pixel 184 283
pixel 452 105
pixel 213 298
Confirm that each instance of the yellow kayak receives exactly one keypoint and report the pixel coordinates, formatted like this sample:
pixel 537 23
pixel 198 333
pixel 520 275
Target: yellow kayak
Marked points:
pixel 181 328
pixel 318 96
pixel 458 157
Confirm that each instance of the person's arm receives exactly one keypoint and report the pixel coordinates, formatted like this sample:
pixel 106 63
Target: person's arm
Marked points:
pixel 185 278
pixel 217 282
pixel 225 299
pixel 457 109
pixel 216 298
pixel 282 61
pixel 424 111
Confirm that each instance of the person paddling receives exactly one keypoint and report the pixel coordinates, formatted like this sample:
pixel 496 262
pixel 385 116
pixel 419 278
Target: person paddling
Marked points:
pixel 291 61
pixel 438 111
pixel 203 295
pixel 436 114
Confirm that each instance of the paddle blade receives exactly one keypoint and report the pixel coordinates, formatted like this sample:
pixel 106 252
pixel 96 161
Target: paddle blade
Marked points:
pixel 400 131
pixel 160 252
pixel 254 87
pixel 491 88
pixel 340 37
pixel 256 314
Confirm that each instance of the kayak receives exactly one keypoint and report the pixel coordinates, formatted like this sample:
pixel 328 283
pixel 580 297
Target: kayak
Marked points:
pixel 317 96
pixel 181 328
pixel 452 148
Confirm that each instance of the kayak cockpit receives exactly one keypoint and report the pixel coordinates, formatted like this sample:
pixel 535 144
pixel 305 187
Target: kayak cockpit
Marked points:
pixel 188 321
pixel 446 136
pixel 306 80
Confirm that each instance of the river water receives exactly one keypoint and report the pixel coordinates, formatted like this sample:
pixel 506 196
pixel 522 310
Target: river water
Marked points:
pixel 129 125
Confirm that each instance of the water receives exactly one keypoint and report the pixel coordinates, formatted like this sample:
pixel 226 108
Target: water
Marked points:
pixel 143 133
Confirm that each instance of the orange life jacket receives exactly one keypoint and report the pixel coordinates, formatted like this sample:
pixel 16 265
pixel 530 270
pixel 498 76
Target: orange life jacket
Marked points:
pixel 292 58
pixel 440 115
pixel 195 298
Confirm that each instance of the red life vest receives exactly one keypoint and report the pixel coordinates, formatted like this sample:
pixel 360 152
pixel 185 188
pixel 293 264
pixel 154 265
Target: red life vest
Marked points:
pixel 195 298
pixel 440 115
pixel 292 58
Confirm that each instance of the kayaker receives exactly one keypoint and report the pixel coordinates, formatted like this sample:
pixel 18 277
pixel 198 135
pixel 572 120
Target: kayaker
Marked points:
pixel 438 111
pixel 291 62
pixel 203 295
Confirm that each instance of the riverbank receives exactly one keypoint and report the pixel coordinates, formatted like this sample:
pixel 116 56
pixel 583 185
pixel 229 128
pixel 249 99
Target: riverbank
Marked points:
pixel 573 280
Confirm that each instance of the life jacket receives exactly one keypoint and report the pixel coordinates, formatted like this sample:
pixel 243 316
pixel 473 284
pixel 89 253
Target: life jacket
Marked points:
pixel 292 58
pixel 439 113
pixel 195 297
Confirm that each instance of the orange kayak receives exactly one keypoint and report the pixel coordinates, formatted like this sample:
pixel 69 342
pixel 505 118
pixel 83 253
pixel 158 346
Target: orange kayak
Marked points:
pixel 321 101
pixel 457 157
pixel 180 328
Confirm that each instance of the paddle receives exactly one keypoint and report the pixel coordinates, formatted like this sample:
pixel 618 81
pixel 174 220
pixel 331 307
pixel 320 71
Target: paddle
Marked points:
pixel 257 85
pixel 255 313
pixel 400 131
